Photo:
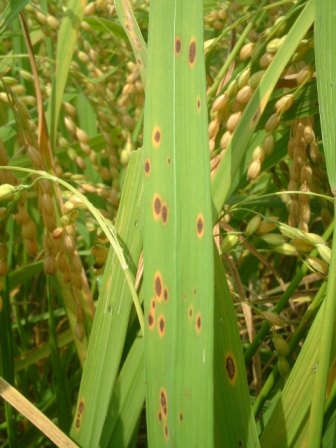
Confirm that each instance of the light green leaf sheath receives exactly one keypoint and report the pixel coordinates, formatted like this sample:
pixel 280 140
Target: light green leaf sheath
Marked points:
pixel 178 248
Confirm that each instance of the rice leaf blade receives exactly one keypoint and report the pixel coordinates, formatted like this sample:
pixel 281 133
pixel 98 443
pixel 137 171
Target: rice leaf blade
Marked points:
pixel 178 250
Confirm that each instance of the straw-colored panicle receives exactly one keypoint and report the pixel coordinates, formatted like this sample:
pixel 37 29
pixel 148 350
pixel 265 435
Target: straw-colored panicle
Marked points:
pixel 301 173
pixel 132 90
pixel 26 224
pixel 111 171
pixel 46 207
pixel 247 51
pixel 28 228
pixel 216 18
pixel 228 108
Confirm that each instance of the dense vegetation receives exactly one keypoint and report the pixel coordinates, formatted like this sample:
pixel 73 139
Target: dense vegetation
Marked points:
pixel 75 210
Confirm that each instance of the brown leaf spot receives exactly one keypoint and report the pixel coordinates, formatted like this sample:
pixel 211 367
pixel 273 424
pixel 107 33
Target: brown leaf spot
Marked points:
pixel 156 137
pixel 158 285
pixel 81 407
pixel 159 416
pixel 192 52
pixel 157 206
pixel 166 431
pixel 198 103
pixel 165 294
pixel 200 226
pixel 177 46
pixel 190 312
pixel 147 167
pixel 198 323
pixel 161 325
pixel 164 402
pixel 231 368
pixel 151 319
pixel 153 303
pixel 164 213
pixel 181 417
pixel 78 423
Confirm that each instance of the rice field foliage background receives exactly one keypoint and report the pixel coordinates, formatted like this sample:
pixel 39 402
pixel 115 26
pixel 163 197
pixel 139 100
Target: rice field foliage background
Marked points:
pixel 223 180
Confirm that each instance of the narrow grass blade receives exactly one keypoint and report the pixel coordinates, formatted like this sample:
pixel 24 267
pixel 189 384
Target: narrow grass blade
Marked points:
pixel 111 320
pixel 6 356
pixel 61 385
pixel 131 27
pixel 235 424
pixel 21 404
pixel 127 399
pixel 325 40
pixel 178 250
pixel 11 12
pixel 292 409
pixel 230 165
pixel 67 39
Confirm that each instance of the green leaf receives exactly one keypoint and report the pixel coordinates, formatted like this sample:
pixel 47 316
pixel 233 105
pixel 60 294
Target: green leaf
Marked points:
pixel 11 12
pixel 178 247
pixel 109 328
pixel 325 41
pixel 131 27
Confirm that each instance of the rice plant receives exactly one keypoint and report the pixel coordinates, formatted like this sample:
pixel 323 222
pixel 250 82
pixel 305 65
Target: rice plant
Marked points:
pixel 167 182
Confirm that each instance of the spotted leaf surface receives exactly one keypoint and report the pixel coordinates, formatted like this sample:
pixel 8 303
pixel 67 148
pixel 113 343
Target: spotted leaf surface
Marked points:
pixel 178 250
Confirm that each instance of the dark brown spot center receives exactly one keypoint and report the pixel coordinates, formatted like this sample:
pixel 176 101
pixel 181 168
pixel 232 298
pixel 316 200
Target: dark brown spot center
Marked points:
pixel 230 367
pixel 200 225
pixel 178 46
pixel 163 401
pixel 81 407
pixel 164 213
pixel 192 52
pixel 150 319
pixel 147 166
pixel 157 136
pixel 165 294
pixel 199 322
pixel 161 325
pixel 158 286
pixel 157 205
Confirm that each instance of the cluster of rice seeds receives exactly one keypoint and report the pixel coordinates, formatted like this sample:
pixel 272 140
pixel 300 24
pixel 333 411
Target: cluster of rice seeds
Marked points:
pixel 27 225
pixel 126 97
pixel 227 109
pixel 17 89
pixel 132 91
pixel 300 171
pixel 216 18
pixel 48 22
pixel 291 241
